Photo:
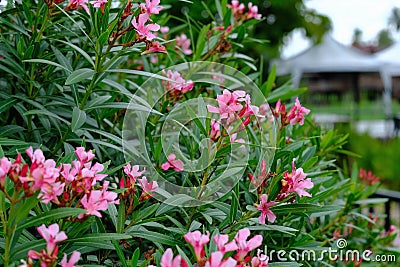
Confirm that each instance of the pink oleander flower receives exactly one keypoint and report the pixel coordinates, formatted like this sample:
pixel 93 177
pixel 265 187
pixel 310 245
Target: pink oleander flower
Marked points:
pixel 168 260
pixel 74 4
pixel 179 86
pixel 84 156
pixel 368 177
pixel 41 171
pixel 244 246
pixel 215 131
pixel 50 192
pixel 228 104
pixel 93 204
pixel 260 260
pixel 237 8
pixel 216 260
pixel 5 166
pixel 197 240
pixel 249 109
pixel 108 196
pixel 98 200
pixel 183 42
pixel 72 260
pixel 253 12
pixel 222 243
pixel 296 182
pixel 133 172
pixel 296 113
pixel 261 177
pixel 233 139
pixel 148 187
pixel 99 4
pixel 265 211
pixel 37 157
pixel 145 31
pixel 154 59
pixel 174 163
pixel 52 235
pixel 155 47
pixel 151 7
pixel 164 29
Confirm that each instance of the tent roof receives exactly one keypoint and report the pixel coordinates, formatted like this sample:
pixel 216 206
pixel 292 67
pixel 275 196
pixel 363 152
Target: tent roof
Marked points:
pixel 391 56
pixel 328 56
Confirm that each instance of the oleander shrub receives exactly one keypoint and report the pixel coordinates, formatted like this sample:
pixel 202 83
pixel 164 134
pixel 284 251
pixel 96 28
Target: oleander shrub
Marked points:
pixel 126 142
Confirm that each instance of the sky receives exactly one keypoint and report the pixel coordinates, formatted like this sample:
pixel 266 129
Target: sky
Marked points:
pixel 370 16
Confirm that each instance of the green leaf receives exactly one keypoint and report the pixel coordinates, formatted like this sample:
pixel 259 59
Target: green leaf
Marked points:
pixel 50 215
pixel 79 50
pixel 78 119
pixel 120 254
pixel 234 207
pixel 121 217
pixel 21 250
pixel 100 236
pixel 201 41
pixel 296 208
pixel 79 75
pixel 6 104
pixel 135 257
pixel 48 62
pixel 46 113
pixel 155 237
pixel 10 130
pixel 285 93
pixel 12 142
pixel 269 84
pixel 173 202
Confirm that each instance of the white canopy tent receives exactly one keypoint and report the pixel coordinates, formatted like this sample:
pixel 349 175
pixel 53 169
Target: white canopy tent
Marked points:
pixel 331 56
pixel 391 56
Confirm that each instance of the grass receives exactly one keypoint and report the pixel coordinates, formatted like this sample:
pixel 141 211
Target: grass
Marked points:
pixel 365 110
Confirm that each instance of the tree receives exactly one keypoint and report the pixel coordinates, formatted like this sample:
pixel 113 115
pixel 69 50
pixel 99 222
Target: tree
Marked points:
pixel 281 17
pixel 384 38
pixel 394 19
pixel 357 36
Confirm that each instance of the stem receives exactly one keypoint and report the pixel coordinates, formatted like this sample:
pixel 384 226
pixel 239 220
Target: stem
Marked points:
pixel 205 174
pixel 9 230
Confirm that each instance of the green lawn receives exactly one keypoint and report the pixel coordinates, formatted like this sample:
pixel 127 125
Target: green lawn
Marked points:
pixel 366 110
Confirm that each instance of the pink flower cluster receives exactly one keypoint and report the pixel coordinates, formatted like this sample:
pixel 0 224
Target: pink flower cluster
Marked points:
pixel 238 11
pixel 232 106
pixel 41 175
pixel 366 176
pixel 295 182
pixel 99 4
pixel 80 180
pixel 178 86
pixel 129 183
pixel 65 185
pixel 75 4
pixel 145 31
pixel 265 211
pixel 47 257
pixel 184 43
pixel 173 163
pixel 294 116
pixel 234 253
